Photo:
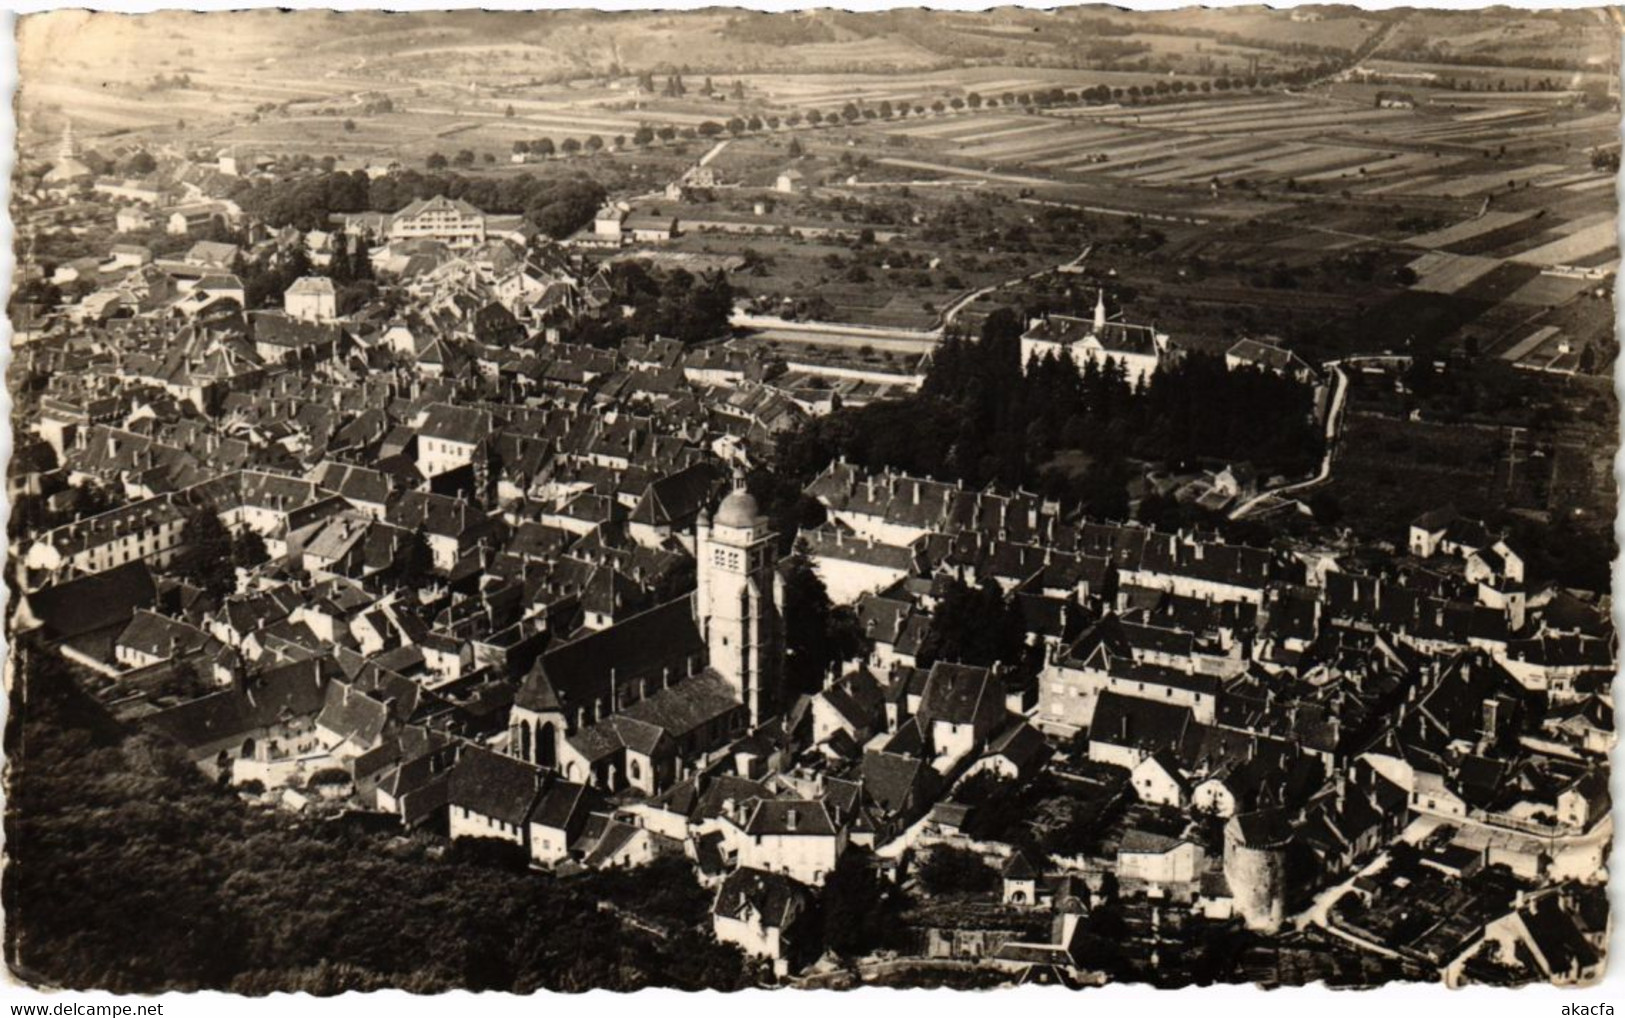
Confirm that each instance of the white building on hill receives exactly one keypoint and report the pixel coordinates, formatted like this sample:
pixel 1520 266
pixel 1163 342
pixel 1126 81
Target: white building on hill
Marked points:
pixel 1139 348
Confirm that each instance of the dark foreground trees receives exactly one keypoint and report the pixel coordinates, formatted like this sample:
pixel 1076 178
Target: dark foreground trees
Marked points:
pixel 129 872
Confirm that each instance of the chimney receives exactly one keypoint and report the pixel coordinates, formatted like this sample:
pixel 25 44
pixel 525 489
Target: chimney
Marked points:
pixel 1491 718
pixel 791 819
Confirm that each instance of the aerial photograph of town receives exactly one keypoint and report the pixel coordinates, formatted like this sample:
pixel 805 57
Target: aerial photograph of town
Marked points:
pixel 718 499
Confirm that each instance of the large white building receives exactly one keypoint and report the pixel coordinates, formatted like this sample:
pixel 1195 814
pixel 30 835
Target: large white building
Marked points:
pixel 1138 348
pixel 451 221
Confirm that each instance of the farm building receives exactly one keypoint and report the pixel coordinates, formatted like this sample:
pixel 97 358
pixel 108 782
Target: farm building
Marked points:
pixel 651 226
pixel 609 224
pixel 1268 353
pixel 790 182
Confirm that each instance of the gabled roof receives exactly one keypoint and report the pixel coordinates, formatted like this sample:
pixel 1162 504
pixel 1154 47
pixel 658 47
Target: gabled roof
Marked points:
pixel 352 714
pixel 1145 725
pixel 1019 867
pixel 958 694
pixel 439 203
pixel 779 817
pixel 1554 934
pixel 1269 355
pixel 896 782
pixel 677 498
pixel 1021 744
pixel 467 425
pixel 493 785
pixel 357 484
pixel 94 602
pixel 277 329
pixel 642 647
pixel 311 286
pixel 290 691
pixel 560 804
pixel 775 900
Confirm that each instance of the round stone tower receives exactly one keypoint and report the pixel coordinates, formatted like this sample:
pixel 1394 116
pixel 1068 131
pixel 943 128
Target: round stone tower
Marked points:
pixel 1255 851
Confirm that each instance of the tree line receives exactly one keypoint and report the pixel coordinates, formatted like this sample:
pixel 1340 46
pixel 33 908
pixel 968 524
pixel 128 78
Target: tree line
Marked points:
pixel 983 417
pixel 556 206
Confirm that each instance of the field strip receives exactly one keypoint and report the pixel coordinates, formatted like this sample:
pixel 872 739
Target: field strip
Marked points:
pixel 1161 144
pixel 1529 343
pixel 1096 135
pixel 1278 110
pixel 1442 272
pixel 1584 222
pixel 1592 240
pixel 1279 125
pixel 1199 147
pixel 1216 102
pixel 1458 232
pixel 1217 111
pixel 1564 179
pixel 1546 291
pixel 1239 153
pixel 1090 147
pixel 1380 165
pixel 1321 159
pixel 1591 185
pixel 1021 148
pixel 1077 160
pixel 1403 185
pixel 1494 134
pixel 1539 133
pixel 604 121
pixel 1145 160
pixel 1481 116
pixel 1141 166
pixel 1220 120
pixel 961 171
pixel 1009 133
pixel 1277 114
pixel 936 128
pixel 973 125
pixel 1478 183
pixel 1215 168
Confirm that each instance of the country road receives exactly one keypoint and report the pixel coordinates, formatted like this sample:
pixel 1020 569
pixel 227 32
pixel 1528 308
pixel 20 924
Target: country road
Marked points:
pixel 1334 428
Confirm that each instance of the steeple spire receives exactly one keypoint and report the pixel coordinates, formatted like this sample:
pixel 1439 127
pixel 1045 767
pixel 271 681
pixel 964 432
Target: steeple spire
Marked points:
pixel 1100 309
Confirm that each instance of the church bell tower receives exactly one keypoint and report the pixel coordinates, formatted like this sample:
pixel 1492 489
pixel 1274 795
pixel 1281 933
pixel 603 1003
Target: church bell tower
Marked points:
pixel 737 598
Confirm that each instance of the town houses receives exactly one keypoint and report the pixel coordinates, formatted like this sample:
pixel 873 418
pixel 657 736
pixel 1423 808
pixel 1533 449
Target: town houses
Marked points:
pixel 418 534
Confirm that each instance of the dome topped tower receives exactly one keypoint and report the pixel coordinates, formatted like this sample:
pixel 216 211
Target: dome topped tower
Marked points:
pixel 736 599
pixel 739 509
